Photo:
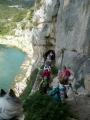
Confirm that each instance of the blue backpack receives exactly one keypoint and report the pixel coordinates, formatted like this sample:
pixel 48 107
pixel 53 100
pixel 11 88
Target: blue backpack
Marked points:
pixel 57 93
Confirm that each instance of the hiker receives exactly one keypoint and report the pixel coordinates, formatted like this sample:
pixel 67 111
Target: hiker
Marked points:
pixel 46 75
pixel 58 93
pixel 64 75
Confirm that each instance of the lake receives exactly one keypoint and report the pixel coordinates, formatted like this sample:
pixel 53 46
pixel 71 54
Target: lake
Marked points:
pixel 10 61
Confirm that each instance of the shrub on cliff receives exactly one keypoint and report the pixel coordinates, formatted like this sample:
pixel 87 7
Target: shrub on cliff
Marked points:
pixel 42 107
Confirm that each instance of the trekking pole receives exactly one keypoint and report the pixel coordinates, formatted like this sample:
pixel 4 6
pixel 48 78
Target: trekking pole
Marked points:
pixel 73 93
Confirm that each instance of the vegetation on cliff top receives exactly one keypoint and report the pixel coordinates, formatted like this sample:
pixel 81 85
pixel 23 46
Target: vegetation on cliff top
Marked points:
pixel 42 107
pixel 12 12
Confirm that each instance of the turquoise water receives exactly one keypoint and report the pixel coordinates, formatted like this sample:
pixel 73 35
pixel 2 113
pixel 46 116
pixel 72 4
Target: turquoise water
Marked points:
pixel 10 61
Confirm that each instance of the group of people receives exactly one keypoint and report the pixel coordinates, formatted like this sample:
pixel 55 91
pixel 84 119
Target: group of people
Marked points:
pixel 49 59
pixel 64 77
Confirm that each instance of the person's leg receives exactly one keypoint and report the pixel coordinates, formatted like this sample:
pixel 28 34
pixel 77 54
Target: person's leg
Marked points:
pixel 66 81
pixel 65 92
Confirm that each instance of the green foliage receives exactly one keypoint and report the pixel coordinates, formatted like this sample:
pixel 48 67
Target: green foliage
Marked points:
pixel 9 16
pixel 54 70
pixel 42 107
pixel 6 28
pixel 19 16
pixel 30 84
pixel 31 11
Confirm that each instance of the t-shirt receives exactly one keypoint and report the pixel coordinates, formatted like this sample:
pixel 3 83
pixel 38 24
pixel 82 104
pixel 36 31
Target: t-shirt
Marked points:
pixel 65 73
pixel 46 73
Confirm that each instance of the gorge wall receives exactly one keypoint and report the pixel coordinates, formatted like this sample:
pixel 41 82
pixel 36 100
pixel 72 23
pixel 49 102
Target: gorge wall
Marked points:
pixel 72 32
pixel 64 25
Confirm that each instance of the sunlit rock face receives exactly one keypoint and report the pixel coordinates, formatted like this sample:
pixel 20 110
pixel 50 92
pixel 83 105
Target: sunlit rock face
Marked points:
pixel 72 32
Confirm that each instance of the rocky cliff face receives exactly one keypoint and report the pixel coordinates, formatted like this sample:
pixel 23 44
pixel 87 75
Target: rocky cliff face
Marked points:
pixel 72 33
pixel 43 37
pixel 64 24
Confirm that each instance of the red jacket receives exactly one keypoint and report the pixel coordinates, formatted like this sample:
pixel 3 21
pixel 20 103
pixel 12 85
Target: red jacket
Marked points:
pixel 46 73
pixel 65 73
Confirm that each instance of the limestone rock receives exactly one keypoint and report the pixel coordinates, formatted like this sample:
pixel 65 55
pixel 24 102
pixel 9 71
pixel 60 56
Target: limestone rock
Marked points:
pixel 64 24
pixel 72 33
